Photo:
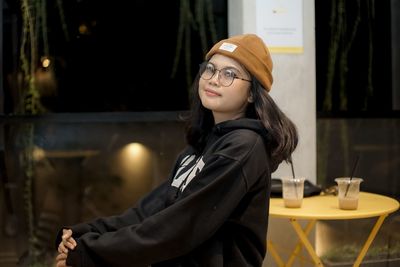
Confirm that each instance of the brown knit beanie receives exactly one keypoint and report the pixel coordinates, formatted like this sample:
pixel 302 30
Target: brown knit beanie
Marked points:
pixel 249 50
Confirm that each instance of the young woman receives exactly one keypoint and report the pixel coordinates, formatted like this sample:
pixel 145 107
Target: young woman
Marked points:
pixel 213 209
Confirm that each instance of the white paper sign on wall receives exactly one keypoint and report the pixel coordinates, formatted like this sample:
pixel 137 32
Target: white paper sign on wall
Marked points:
pixel 280 24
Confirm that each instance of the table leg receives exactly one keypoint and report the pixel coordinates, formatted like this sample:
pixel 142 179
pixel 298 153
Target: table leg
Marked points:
pixel 275 254
pixel 371 237
pixel 296 251
pixel 305 242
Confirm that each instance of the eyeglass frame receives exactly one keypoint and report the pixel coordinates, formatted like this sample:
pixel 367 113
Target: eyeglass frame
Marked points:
pixel 204 65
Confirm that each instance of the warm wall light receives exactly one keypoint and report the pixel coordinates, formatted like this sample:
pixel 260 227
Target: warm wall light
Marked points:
pixel 83 29
pixel 134 161
pixel 134 164
pixel 45 62
pixel 38 154
pixel 134 150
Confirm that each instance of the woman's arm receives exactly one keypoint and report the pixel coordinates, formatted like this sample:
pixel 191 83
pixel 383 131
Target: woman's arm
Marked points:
pixel 148 205
pixel 206 204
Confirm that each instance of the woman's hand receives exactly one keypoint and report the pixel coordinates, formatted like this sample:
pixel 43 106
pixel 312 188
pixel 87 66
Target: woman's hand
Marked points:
pixel 67 242
pixel 61 260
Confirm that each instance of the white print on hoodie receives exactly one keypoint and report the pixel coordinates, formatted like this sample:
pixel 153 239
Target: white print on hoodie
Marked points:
pixel 182 179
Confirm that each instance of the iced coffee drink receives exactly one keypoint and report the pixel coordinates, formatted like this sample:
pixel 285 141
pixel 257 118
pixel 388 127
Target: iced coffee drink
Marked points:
pixel 292 191
pixel 348 191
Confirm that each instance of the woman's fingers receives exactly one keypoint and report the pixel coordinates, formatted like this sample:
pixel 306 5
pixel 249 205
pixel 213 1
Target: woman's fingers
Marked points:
pixel 72 240
pixel 61 260
pixel 67 242
pixel 67 239
pixel 67 233
pixel 62 248
pixel 71 244
pixel 61 256
pixel 61 264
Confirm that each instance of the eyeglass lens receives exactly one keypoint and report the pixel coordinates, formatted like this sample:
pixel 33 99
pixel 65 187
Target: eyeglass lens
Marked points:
pixel 225 75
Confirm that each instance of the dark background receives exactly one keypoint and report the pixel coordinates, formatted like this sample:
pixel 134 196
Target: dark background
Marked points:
pixel 123 59
pixel 369 56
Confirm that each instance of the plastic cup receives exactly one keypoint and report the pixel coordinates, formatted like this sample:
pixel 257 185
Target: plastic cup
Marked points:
pixel 292 191
pixel 348 191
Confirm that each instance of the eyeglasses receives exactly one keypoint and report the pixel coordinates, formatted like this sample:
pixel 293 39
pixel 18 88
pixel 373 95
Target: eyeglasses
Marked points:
pixel 226 76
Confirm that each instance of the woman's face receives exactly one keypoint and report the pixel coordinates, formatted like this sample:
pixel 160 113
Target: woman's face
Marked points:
pixel 225 102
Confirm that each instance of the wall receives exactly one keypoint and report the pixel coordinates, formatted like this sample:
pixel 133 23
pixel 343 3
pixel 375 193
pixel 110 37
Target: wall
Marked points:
pixel 294 90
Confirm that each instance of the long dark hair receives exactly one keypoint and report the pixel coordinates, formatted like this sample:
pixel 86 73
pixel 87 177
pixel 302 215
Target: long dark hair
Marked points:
pixel 283 132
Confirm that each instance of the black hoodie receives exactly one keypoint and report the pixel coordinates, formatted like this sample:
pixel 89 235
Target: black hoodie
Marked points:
pixel 212 211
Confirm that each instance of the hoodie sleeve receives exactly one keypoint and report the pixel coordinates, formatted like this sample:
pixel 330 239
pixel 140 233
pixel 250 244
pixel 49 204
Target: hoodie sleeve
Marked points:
pixel 151 203
pixel 148 205
pixel 203 207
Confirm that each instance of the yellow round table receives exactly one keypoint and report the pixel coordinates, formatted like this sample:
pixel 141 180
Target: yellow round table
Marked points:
pixel 327 208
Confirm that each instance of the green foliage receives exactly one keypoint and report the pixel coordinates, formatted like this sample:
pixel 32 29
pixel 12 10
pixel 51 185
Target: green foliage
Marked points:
pixel 199 21
pixel 348 253
pixel 342 38
pixel 34 41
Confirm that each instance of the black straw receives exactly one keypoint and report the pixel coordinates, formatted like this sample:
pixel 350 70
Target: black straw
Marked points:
pixel 291 165
pixel 294 176
pixel 352 174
